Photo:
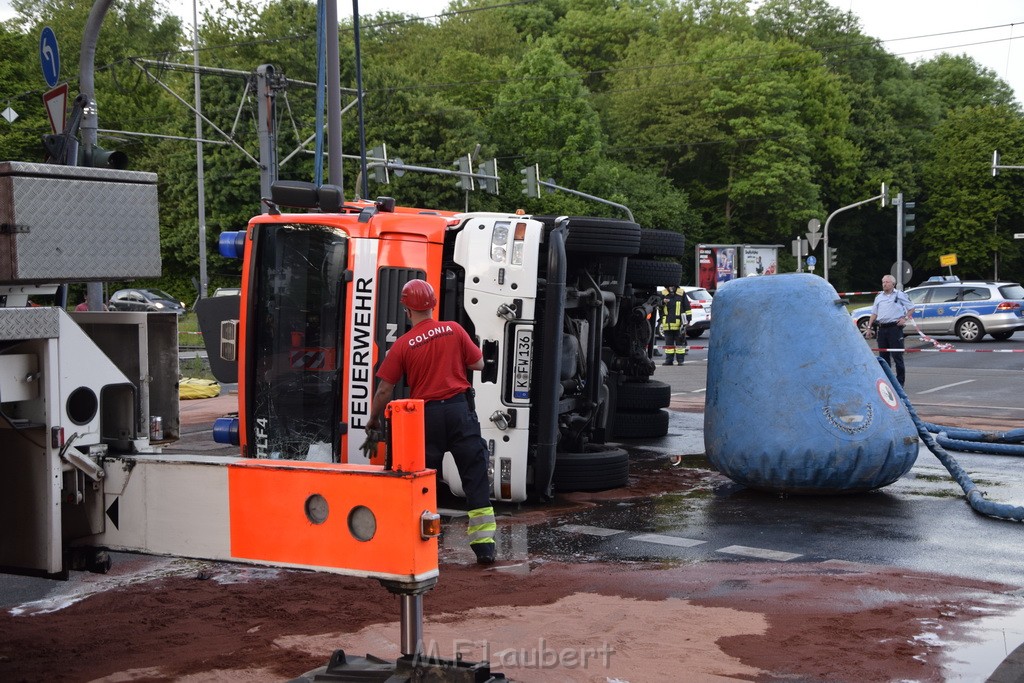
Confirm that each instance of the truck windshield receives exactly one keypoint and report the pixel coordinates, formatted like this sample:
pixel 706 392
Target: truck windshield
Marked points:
pixel 293 375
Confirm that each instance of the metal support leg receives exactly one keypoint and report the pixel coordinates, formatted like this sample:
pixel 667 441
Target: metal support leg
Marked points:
pixel 412 624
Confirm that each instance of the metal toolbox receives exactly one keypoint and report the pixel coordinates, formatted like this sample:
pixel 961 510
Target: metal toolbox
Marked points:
pixel 69 224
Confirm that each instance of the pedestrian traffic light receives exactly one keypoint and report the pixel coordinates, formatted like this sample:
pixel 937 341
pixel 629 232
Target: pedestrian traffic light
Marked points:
pixel 908 217
pixel 465 165
pixel 489 171
pixel 531 188
pixel 97 157
pixel 831 256
pixel 379 166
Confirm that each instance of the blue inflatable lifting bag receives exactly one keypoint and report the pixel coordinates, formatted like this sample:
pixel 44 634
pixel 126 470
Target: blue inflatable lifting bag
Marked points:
pixel 796 400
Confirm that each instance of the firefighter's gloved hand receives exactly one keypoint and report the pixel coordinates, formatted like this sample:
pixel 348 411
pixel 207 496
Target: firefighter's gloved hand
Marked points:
pixel 369 447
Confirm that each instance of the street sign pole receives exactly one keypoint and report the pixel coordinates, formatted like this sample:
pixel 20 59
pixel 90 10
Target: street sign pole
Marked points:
pixel 898 202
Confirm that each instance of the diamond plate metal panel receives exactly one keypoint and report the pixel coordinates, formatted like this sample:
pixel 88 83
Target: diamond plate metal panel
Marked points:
pixel 70 224
pixel 28 323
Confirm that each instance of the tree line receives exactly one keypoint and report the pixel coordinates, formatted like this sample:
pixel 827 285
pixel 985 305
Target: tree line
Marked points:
pixel 725 120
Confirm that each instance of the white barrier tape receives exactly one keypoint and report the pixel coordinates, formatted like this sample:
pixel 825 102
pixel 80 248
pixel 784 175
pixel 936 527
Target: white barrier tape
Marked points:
pixel 943 350
pixel 854 293
pixel 951 350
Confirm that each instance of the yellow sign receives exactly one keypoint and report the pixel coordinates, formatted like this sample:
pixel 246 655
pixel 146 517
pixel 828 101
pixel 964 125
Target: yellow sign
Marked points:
pixel 947 260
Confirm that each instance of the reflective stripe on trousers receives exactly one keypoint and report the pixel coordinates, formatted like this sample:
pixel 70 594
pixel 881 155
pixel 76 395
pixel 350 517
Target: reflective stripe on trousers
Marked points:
pixel 482 526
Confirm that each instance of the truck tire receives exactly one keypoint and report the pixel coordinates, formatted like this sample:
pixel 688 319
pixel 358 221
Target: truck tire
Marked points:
pixel 644 396
pixel 607 236
pixel 602 467
pixel 640 425
pixel 647 274
pixel 661 243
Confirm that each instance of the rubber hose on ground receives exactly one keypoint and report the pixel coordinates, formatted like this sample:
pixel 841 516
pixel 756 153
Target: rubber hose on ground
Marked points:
pixel 1012 436
pixel 975 498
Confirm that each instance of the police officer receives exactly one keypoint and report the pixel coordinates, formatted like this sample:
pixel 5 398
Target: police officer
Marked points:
pixel 892 310
pixel 675 317
pixel 433 357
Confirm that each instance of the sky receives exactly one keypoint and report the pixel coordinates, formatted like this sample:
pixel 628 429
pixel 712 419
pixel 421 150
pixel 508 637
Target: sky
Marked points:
pixel 953 26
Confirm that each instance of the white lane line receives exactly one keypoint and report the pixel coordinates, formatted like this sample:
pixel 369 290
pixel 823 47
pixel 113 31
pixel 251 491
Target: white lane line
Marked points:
pixel 759 553
pixel 945 386
pixel 589 530
pixel 668 540
pixel 951 405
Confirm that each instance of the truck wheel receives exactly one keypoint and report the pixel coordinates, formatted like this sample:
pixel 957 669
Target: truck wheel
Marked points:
pixel 644 274
pixel 601 467
pixel 661 243
pixel 694 334
pixel 644 396
pixel 640 425
pixel 589 235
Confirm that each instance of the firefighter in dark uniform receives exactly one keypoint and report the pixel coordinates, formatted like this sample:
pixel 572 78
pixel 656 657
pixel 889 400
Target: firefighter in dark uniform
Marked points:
pixel 433 357
pixel 675 317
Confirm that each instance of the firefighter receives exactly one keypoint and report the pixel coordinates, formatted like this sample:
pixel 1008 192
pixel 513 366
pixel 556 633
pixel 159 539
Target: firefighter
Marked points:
pixel 675 317
pixel 433 357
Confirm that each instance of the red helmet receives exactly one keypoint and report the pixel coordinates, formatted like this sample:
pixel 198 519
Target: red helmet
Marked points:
pixel 418 295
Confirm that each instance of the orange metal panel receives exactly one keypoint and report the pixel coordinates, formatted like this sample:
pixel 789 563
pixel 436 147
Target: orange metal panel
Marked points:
pixel 408 440
pixel 271 521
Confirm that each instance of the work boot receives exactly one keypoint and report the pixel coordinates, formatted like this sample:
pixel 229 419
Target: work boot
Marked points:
pixel 668 361
pixel 484 552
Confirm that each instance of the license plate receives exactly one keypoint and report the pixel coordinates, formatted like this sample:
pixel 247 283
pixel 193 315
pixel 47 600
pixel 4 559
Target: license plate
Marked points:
pixel 523 356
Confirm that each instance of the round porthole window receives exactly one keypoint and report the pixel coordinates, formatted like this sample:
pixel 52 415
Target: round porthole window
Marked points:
pixel 82 405
pixel 362 523
pixel 316 509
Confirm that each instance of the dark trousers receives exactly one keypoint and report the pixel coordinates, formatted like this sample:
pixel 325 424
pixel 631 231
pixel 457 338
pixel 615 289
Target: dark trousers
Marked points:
pixel 892 338
pixel 451 426
pixel 675 346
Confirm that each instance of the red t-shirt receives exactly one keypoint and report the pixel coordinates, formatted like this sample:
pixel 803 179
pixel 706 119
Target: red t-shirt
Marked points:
pixel 433 357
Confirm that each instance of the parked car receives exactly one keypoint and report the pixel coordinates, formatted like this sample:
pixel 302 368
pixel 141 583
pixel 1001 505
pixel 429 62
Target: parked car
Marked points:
pixel 700 305
pixel 145 300
pixel 970 309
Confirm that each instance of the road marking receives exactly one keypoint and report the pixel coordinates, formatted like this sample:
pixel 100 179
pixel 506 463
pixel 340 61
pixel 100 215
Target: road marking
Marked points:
pixel 951 405
pixel 589 530
pixel 945 386
pixel 668 540
pixel 759 553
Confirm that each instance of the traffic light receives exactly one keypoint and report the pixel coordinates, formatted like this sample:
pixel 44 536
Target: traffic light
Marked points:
pixel 831 257
pixel 908 217
pixel 379 155
pixel 465 165
pixel 97 157
pixel 531 188
pixel 489 171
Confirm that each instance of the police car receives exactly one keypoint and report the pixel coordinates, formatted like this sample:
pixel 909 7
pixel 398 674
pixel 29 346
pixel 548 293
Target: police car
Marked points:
pixel 969 309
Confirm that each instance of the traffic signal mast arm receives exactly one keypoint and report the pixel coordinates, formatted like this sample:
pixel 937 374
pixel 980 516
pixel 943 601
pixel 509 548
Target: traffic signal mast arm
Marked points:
pixel 838 211
pixel 532 184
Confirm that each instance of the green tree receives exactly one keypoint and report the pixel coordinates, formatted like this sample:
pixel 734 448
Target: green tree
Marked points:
pixel 966 210
pixel 544 115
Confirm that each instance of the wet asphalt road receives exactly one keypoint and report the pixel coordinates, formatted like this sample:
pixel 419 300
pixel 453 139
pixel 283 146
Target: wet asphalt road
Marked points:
pixel 921 521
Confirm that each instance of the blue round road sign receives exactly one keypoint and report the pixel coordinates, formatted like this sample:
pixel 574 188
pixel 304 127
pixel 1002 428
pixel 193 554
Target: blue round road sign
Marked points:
pixel 811 260
pixel 49 56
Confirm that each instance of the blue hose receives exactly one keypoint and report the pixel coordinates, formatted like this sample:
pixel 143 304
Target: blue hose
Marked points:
pixel 979 447
pixel 1012 436
pixel 975 498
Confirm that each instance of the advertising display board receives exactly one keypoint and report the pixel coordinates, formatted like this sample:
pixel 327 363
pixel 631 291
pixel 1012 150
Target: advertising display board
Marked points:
pixel 720 263
pixel 759 260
